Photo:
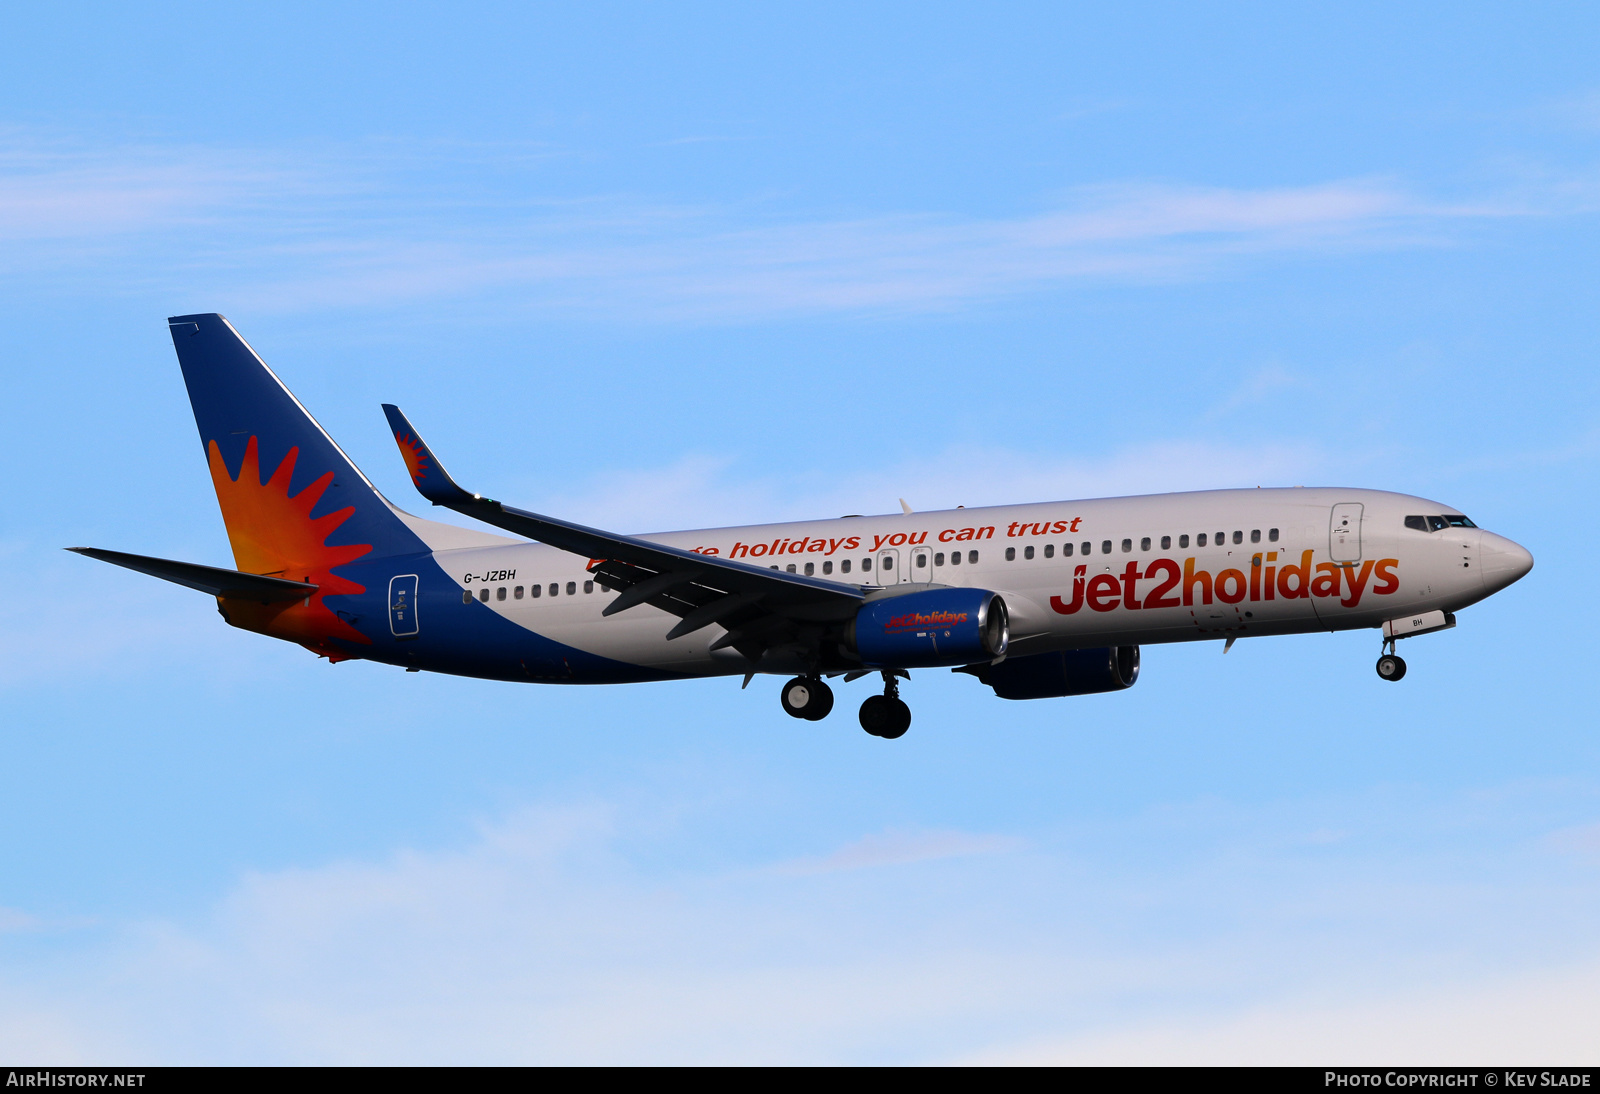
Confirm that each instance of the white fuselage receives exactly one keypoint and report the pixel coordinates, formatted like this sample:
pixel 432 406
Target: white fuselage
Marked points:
pixel 1117 571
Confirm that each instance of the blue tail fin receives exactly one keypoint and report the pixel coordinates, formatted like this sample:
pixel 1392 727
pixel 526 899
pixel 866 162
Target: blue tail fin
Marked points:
pixel 294 504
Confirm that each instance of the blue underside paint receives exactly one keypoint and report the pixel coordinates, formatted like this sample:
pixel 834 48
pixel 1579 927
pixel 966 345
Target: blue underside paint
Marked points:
pixel 465 639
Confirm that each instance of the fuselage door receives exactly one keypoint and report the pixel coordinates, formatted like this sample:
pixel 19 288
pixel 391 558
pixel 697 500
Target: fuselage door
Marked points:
pixel 921 568
pixel 889 572
pixel 1344 532
pixel 403 606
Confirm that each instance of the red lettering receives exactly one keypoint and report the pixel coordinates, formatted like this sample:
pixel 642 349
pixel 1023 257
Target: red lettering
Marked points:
pixel 738 551
pixel 1157 597
pixel 1130 594
pixel 1235 582
pixel 1387 581
pixel 1326 583
pixel 1104 592
pixel 1302 573
pixel 1191 578
pixel 1356 581
pixel 1056 603
pixel 947 535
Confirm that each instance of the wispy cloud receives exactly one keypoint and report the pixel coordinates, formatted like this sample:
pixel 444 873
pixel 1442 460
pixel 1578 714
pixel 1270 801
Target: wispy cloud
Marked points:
pixel 305 231
pixel 1198 935
pixel 899 849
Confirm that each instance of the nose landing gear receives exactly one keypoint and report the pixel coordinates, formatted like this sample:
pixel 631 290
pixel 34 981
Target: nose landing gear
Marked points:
pixel 886 715
pixel 1391 666
pixel 806 697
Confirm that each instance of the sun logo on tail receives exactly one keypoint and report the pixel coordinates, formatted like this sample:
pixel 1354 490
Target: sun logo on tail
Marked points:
pixel 274 533
pixel 414 454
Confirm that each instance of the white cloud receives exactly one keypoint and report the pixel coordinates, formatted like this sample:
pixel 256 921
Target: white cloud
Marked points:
pixel 1542 1018
pixel 286 229
pixel 899 848
pixel 556 935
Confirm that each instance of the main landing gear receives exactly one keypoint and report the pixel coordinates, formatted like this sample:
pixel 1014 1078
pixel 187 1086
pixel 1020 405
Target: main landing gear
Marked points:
pixel 886 715
pixel 1391 666
pixel 806 697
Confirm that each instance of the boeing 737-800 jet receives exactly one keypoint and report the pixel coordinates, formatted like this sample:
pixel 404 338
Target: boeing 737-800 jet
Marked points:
pixel 1036 601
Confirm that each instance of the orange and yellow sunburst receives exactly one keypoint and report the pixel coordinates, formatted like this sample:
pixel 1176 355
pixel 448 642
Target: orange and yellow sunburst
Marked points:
pixel 273 533
pixel 414 454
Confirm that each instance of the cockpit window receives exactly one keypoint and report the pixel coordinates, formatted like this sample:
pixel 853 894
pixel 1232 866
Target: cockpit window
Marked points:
pixel 1418 523
pixel 1456 520
pixel 1435 523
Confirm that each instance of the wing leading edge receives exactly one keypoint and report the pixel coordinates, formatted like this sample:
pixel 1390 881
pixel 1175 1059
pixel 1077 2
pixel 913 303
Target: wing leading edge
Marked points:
pixel 759 608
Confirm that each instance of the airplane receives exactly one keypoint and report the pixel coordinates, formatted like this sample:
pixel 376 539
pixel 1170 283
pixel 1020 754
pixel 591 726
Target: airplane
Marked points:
pixel 1040 600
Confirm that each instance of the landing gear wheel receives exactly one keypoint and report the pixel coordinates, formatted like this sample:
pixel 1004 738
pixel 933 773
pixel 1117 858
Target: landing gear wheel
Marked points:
pixel 885 716
pixel 1391 667
pixel 806 697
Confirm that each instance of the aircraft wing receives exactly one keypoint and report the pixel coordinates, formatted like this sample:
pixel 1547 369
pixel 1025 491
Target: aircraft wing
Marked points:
pixel 758 606
pixel 233 584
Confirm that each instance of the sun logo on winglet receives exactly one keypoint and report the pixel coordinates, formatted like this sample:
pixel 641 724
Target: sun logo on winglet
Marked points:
pixel 274 533
pixel 414 454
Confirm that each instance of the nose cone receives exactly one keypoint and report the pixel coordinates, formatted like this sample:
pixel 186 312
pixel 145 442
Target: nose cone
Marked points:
pixel 1502 561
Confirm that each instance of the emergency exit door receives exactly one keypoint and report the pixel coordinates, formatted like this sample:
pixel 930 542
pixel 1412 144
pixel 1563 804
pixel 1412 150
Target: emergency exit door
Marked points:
pixel 1344 532
pixel 403 606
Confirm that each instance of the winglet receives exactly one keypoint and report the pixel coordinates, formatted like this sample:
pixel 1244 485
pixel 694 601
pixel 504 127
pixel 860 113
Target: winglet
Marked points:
pixel 427 473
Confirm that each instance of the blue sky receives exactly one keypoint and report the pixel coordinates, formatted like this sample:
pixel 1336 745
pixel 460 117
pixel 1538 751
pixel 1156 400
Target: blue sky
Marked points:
pixel 654 268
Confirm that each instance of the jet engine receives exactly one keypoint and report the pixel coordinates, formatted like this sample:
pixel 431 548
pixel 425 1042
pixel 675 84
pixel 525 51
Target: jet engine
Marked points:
pixel 1061 672
pixel 929 629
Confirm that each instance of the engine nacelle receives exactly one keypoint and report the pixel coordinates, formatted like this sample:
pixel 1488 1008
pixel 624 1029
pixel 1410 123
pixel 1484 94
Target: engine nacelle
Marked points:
pixel 1061 672
pixel 931 628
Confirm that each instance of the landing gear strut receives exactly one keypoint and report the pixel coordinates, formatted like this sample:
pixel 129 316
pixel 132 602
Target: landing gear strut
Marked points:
pixel 806 697
pixel 886 715
pixel 1391 666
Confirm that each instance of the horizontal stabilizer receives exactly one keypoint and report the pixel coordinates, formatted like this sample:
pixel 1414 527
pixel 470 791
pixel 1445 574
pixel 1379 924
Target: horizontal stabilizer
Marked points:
pixel 207 579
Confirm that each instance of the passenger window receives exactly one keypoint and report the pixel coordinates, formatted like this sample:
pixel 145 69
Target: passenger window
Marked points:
pixel 1221 538
pixel 517 592
pixel 1166 543
pixel 1435 524
pixel 1027 552
pixel 1127 545
pixel 972 558
pixel 789 568
pixel 844 567
pixel 866 564
pixel 1183 542
pixel 588 586
pixel 1255 535
pixel 811 569
pixel 500 593
pixel 483 594
pixel 1049 550
pixel 1419 524
pixel 572 588
pixel 1144 544
pixel 1066 550
pixel 1200 540
pixel 1238 536
pixel 827 567
pixel 955 558
pixel 1272 535
pixel 535 590
pixel 1105 546
pixel 1011 554
pixel 887 563
pixel 1456 520
pixel 1086 548
pixel 466 596
pixel 555 589
pixel 921 559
